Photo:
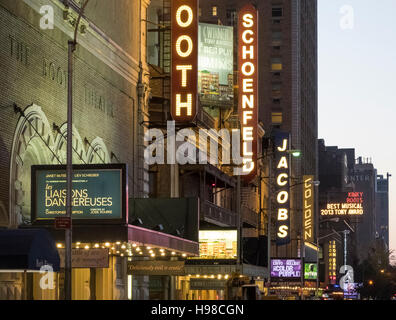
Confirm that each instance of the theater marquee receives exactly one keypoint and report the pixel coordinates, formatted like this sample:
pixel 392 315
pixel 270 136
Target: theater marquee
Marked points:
pixel 184 105
pixel 247 83
pixel 99 193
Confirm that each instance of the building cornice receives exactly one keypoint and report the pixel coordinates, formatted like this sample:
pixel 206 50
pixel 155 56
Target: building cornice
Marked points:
pixel 92 38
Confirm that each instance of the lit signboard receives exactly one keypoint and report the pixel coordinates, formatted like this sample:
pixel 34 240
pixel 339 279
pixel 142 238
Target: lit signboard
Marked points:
pixel 308 215
pixel 99 192
pixel 218 244
pixel 184 105
pixel 285 268
pixel 282 184
pixel 216 63
pixel 247 86
pixel 310 271
pixel 332 261
pixel 350 205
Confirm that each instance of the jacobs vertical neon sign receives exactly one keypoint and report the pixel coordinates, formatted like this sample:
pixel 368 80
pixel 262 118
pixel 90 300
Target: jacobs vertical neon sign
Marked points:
pixel 282 183
pixel 247 83
pixel 184 60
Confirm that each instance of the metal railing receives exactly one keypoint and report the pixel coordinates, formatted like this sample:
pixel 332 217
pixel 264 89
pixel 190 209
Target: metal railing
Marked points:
pixel 222 215
pixel 249 216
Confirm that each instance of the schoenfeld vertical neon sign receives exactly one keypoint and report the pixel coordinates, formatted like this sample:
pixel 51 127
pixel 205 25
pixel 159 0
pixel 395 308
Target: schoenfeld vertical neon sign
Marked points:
pixel 184 60
pixel 247 83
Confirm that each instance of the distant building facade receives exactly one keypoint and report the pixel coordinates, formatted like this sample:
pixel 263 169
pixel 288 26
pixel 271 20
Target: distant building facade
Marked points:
pixel 382 208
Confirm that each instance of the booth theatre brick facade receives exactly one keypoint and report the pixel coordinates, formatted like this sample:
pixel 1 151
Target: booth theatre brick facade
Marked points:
pixel 110 106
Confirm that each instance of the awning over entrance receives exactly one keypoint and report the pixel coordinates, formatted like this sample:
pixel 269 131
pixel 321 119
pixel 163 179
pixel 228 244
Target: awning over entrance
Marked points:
pixel 27 250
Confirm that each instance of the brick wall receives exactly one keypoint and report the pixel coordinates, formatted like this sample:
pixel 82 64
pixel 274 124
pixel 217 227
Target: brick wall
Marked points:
pixel 33 65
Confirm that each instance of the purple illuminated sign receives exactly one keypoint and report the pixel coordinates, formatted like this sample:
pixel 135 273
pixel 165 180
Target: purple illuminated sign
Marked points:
pixel 282 268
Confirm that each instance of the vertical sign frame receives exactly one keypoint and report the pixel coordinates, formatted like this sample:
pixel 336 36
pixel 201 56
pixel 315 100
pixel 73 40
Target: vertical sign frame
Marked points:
pixel 184 41
pixel 248 87
pixel 282 185
pixel 332 261
pixel 308 213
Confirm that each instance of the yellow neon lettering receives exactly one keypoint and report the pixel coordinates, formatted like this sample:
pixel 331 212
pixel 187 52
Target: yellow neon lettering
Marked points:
pixel 251 69
pixel 247 85
pixel 284 146
pixel 283 163
pixel 184 70
pixel 189 18
pixel 282 197
pixel 189 46
pixel 246 40
pixel 248 20
pixel 180 105
pixel 280 178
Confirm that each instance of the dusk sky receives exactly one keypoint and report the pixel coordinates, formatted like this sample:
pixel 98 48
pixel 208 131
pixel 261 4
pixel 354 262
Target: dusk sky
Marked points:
pixel 357 87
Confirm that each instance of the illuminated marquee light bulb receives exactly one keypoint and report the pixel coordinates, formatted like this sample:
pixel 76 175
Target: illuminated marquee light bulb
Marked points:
pixel 251 69
pixel 247 115
pixel 283 148
pixel 244 36
pixel 190 46
pixel 247 147
pixel 248 20
pixel 247 134
pixel 187 105
pixel 189 18
pixel 280 178
pixel 283 231
pixel 184 70
pixel 248 165
pixel 247 52
pixel 283 163
pixel 248 102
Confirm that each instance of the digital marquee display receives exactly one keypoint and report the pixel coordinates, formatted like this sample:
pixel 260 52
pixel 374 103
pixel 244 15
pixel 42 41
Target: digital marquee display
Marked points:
pixel 184 35
pixel 282 184
pixel 285 268
pixel 350 205
pixel 247 86
pixel 98 193
pixel 308 214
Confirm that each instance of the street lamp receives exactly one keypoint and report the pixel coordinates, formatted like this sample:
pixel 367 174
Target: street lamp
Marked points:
pixel 69 159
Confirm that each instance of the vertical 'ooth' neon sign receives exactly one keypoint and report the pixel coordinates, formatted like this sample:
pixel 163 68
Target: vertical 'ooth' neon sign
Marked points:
pixel 282 183
pixel 247 83
pixel 184 60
